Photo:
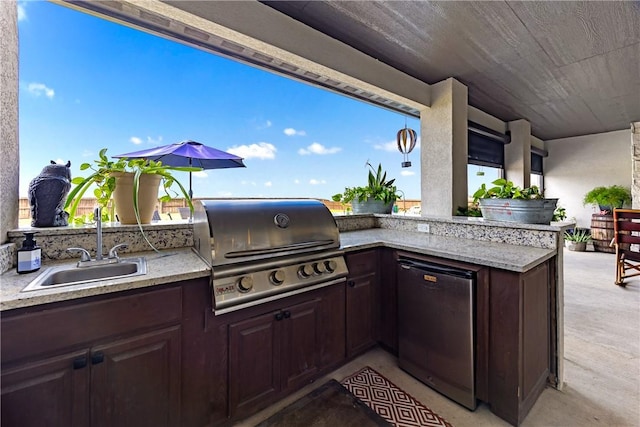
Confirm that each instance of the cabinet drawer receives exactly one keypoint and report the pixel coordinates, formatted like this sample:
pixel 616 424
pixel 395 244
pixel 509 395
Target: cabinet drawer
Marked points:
pixel 361 263
pixel 39 332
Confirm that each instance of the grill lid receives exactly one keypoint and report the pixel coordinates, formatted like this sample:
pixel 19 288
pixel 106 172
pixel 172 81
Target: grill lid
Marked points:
pixel 240 230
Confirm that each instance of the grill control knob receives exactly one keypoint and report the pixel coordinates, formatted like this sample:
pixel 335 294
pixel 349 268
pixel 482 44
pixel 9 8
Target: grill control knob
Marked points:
pixel 245 284
pixel 319 267
pixel 277 277
pixel 331 266
pixel 305 271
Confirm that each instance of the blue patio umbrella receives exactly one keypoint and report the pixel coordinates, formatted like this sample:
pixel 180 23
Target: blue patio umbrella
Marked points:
pixel 189 153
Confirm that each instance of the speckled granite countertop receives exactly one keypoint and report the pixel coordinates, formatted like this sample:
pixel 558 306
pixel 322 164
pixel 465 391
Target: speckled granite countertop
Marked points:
pixel 498 255
pixel 173 265
pixel 169 266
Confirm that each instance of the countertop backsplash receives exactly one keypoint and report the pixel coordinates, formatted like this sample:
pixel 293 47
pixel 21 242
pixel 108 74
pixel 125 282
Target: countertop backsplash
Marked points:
pixel 54 241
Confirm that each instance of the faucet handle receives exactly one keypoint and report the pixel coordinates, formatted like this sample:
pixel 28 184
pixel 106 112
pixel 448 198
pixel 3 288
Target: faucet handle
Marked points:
pixel 84 254
pixel 113 252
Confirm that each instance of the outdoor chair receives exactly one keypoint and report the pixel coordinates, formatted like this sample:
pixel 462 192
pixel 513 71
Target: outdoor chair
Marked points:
pixel 626 239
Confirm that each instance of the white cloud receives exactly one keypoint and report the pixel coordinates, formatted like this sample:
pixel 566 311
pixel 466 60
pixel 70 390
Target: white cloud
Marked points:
pixel 268 124
pixel 135 140
pixel 387 146
pixel 22 12
pixel 317 148
pixel 407 173
pixel 296 181
pixel 293 132
pixel 154 141
pixel 38 89
pixel 317 181
pixel 268 184
pixel 200 174
pixel 261 150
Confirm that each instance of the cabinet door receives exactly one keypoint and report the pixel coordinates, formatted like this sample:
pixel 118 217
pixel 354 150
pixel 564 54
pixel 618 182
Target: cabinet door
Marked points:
pixel 359 313
pixel 387 302
pixel 48 392
pixel 136 381
pixel 332 342
pixel 300 343
pixel 254 368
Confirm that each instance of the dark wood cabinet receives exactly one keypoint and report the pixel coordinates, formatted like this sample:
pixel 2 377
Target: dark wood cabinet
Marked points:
pixel 50 391
pixel 282 349
pixel 106 361
pixel 254 368
pixel 361 307
pixel 519 356
pixel 385 321
pixel 135 381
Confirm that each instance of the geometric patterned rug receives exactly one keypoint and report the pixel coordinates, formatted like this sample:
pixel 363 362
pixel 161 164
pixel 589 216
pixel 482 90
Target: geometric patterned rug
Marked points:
pixel 390 402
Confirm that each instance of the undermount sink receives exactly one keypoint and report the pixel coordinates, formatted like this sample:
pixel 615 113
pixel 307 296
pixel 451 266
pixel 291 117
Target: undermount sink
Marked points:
pixel 71 275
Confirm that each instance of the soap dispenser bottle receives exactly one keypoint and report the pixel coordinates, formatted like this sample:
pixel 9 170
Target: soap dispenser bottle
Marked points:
pixel 29 256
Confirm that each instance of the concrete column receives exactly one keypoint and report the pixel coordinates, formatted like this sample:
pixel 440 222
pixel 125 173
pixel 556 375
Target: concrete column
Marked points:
pixel 443 150
pixel 9 146
pixel 517 154
pixel 635 165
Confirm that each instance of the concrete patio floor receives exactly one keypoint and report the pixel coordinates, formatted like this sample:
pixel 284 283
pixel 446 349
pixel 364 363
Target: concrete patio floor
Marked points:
pixel 602 358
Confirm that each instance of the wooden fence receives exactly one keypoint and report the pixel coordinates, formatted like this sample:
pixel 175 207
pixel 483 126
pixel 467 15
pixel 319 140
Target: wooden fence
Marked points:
pixel 171 207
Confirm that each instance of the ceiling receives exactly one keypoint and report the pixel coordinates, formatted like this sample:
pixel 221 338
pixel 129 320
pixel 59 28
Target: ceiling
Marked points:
pixel 569 68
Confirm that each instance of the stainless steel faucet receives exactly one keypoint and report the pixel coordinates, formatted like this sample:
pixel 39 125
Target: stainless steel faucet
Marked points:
pixel 97 214
pixel 85 258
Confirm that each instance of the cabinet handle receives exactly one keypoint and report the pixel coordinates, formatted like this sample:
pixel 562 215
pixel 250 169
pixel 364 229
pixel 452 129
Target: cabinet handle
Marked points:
pixel 79 362
pixel 279 316
pixel 287 314
pixel 97 357
pixel 351 283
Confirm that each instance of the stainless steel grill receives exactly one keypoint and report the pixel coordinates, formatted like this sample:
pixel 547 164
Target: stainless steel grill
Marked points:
pixel 264 249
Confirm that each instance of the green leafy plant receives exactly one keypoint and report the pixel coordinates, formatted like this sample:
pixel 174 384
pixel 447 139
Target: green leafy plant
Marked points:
pixel 378 188
pixel 560 214
pixel 577 236
pixel 503 189
pixel 105 183
pixel 608 198
pixel 472 210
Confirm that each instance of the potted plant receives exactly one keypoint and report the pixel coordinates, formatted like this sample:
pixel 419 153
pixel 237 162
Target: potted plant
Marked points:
pixel 577 239
pixel 508 202
pixel 126 180
pixel 608 198
pixel 377 197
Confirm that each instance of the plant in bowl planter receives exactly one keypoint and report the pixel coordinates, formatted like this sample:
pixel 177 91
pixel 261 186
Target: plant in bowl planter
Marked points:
pixel 126 180
pixel 577 239
pixel 377 197
pixel 508 202
pixel 608 198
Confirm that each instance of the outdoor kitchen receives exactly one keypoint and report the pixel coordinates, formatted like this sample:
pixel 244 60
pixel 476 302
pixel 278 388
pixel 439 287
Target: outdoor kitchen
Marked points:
pixel 217 310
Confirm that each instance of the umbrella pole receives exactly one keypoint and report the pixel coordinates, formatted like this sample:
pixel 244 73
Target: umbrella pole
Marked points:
pixel 190 192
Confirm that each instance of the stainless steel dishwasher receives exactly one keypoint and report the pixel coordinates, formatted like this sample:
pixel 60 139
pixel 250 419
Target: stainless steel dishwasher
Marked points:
pixel 436 327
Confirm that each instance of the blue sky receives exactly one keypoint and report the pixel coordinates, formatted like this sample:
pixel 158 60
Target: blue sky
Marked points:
pixel 87 83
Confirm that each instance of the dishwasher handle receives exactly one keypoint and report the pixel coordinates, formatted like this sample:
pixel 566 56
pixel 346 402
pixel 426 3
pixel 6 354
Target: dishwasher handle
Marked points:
pixel 436 268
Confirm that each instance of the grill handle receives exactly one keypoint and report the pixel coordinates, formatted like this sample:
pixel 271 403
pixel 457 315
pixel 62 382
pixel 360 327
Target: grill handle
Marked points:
pixel 313 244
